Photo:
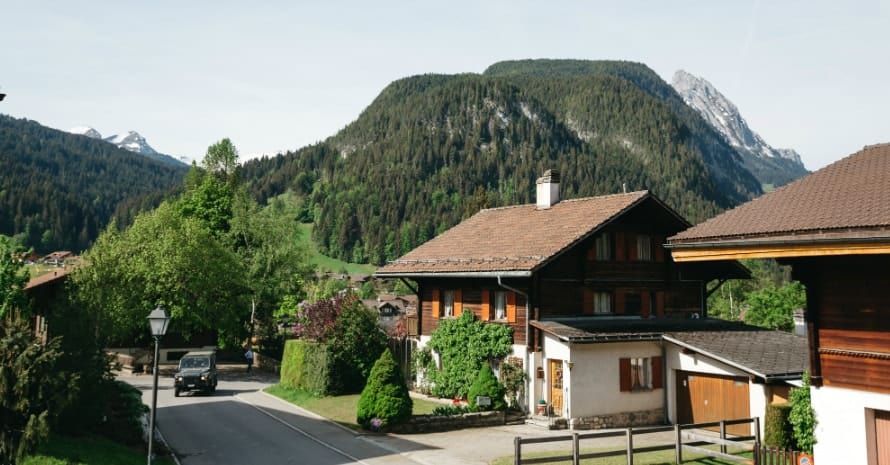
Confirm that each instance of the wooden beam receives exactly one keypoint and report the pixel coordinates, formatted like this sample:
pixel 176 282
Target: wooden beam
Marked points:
pixel 699 254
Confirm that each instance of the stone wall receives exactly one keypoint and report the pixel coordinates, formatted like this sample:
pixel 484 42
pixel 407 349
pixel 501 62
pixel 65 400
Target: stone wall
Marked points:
pixel 619 420
pixel 437 423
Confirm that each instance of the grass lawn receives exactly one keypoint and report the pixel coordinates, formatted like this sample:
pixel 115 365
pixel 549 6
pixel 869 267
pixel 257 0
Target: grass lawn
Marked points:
pixel 340 409
pixel 89 450
pixel 665 457
pixel 325 263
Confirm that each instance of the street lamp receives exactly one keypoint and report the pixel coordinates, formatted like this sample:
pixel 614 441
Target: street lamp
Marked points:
pixel 157 321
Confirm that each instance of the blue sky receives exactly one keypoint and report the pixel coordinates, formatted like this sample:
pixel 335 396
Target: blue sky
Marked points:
pixel 278 75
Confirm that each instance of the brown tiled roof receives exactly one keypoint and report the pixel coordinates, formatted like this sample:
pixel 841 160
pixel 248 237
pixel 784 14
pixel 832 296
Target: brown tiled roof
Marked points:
pixel 761 352
pixel 517 238
pixel 847 199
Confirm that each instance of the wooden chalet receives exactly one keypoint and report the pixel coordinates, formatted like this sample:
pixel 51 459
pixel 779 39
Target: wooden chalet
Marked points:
pixel 558 269
pixel 833 228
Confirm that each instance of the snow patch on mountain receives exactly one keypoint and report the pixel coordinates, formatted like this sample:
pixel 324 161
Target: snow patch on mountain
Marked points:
pixel 85 131
pixel 133 142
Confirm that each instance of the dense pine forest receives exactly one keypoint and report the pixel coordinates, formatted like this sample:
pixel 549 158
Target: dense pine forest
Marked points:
pixel 434 149
pixel 59 190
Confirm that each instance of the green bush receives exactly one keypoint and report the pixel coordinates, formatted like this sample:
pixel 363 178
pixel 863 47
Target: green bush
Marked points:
pixel 802 417
pixel 385 400
pixel 776 428
pixel 487 385
pixel 450 410
pixel 306 365
pixel 123 413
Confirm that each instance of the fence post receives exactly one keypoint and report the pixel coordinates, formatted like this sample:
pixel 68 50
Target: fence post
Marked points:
pixel 517 450
pixel 576 450
pixel 630 446
pixel 756 429
pixel 679 443
pixel 723 436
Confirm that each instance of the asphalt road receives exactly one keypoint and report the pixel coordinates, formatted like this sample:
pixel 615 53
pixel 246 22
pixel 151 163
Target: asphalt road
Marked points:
pixel 238 425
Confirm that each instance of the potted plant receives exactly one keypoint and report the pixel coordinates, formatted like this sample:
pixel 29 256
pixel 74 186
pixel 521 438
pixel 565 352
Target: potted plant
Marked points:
pixel 542 407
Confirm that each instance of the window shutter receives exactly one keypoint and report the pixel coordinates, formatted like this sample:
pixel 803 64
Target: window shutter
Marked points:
pixel 436 303
pixel 659 303
pixel 659 249
pixel 591 253
pixel 645 304
pixel 619 302
pixel 511 307
pixel 620 249
pixel 588 302
pixel 486 305
pixel 624 375
pixel 632 247
pixel 458 303
pixel 657 372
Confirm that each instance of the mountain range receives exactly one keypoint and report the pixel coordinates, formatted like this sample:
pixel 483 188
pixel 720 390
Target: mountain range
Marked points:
pixel 771 166
pixel 58 191
pixel 433 149
pixel 132 141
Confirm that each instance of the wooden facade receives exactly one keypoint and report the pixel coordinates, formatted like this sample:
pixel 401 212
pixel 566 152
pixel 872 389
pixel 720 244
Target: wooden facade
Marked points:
pixel 620 270
pixel 848 317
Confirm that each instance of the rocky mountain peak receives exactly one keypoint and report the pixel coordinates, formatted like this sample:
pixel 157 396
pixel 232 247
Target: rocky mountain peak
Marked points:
pixel 770 165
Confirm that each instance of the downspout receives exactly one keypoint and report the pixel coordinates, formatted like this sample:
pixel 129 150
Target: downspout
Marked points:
pixel 530 356
pixel 664 379
pixel 509 288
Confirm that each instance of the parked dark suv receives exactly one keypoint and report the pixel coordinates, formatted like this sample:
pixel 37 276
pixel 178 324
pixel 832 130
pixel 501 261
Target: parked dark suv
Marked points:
pixel 197 372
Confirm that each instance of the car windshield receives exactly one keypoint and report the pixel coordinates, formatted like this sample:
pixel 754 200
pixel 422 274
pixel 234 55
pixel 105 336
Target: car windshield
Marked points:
pixel 194 362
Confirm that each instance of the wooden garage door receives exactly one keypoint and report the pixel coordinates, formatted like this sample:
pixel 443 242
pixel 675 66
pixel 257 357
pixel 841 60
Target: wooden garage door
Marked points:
pixel 704 398
pixel 882 436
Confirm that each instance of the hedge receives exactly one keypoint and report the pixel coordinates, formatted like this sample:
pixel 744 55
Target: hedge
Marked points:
pixel 776 429
pixel 307 366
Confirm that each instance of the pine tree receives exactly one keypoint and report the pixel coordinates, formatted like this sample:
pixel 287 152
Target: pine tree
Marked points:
pixel 385 400
pixel 486 385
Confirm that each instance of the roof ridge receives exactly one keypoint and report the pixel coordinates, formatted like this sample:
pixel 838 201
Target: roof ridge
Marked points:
pixel 579 199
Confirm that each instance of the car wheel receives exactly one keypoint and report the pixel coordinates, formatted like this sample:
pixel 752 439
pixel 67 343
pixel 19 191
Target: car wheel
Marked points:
pixel 176 393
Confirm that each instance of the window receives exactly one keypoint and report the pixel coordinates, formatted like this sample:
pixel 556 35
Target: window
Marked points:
pixel 603 244
pixel 644 248
pixel 500 305
pixel 448 304
pixel 633 303
pixel 602 302
pixel 640 373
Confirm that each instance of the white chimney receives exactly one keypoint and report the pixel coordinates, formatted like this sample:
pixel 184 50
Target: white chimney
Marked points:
pixel 548 189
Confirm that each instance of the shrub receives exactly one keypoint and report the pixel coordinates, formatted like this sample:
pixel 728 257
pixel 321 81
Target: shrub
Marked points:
pixel 802 417
pixel 776 428
pixel 487 385
pixel 385 397
pixel 465 344
pixel 123 412
pixel 450 410
pixel 305 365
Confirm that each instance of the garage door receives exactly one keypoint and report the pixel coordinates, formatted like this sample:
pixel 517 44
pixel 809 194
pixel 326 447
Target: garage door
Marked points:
pixel 704 398
pixel 882 436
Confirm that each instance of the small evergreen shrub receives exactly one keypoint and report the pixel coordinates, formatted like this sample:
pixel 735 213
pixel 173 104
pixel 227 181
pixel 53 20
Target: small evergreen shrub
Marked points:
pixel 384 400
pixel 450 410
pixel 487 385
pixel 776 429
pixel 123 413
pixel 802 417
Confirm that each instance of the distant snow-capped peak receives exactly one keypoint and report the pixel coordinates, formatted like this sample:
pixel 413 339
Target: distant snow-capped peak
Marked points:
pixel 723 115
pixel 86 131
pixel 133 142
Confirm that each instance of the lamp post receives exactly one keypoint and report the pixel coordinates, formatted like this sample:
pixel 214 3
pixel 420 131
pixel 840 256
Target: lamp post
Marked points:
pixel 157 321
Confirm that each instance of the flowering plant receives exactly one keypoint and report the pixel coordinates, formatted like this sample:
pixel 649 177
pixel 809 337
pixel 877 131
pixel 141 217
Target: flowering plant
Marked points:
pixel 376 423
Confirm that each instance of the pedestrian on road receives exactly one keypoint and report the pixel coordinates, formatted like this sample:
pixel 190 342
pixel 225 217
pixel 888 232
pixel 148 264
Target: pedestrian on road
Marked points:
pixel 249 356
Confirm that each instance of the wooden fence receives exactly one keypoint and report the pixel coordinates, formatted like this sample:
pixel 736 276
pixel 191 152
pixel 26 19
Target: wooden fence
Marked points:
pixel 684 439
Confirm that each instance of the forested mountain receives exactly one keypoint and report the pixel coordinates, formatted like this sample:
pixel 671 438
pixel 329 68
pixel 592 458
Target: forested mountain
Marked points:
pixel 433 149
pixel 59 190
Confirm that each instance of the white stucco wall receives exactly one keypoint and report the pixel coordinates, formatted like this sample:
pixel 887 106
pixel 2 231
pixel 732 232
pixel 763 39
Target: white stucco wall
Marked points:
pixel 675 359
pixel 845 427
pixel 591 387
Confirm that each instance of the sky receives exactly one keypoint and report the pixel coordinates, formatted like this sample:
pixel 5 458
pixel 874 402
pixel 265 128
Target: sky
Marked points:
pixel 279 75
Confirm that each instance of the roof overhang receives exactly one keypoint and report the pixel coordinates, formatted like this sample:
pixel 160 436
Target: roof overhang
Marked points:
pixel 729 249
pixel 457 274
